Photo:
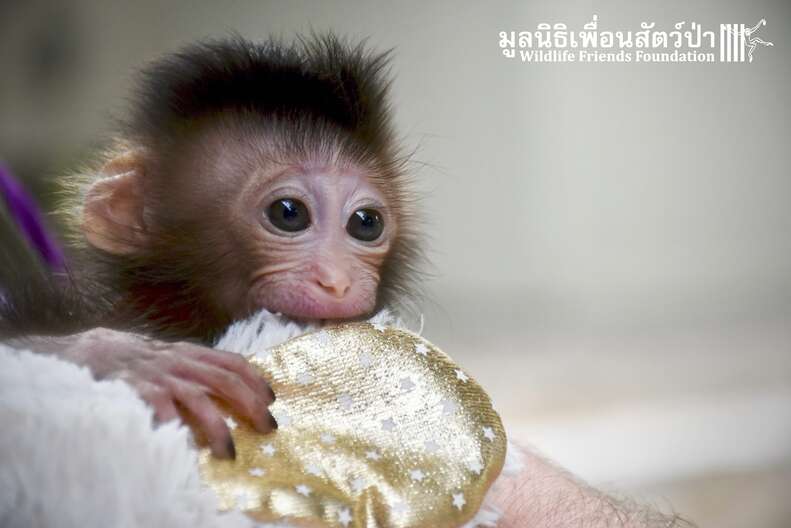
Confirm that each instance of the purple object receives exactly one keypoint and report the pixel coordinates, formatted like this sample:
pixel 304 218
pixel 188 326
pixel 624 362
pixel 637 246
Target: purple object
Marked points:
pixel 25 212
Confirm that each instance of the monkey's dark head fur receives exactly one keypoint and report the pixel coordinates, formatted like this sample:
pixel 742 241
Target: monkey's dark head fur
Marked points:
pixel 318 94
pixel 320 78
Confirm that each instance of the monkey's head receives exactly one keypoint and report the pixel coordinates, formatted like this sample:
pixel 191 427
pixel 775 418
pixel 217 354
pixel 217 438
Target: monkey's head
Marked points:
pixel 256 176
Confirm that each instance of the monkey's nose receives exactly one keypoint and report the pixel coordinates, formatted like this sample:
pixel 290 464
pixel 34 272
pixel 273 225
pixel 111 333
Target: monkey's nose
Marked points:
pixel 335 282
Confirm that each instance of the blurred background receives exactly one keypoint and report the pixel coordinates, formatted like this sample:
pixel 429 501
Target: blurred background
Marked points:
pixel 611 243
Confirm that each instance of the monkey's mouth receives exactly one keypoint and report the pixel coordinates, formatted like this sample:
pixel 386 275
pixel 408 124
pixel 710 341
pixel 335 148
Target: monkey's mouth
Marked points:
pixel 304 306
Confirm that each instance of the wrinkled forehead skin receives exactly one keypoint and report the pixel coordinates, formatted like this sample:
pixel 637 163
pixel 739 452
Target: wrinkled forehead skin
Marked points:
pixel 217 161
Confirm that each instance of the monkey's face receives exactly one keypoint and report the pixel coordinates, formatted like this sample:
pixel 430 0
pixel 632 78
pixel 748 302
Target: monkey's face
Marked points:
pixel 228 237
pixel 314 241
pixel 239 184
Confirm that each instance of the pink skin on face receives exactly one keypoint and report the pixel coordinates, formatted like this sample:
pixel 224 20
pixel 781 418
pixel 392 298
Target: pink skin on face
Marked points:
pixel 321 272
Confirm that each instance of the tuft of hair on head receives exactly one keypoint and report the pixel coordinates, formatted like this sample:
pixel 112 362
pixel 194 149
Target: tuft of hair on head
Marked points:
pixel 317 79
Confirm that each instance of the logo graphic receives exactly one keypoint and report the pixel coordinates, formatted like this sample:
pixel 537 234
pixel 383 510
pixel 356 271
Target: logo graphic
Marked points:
pixel 683 42
pixel 734 38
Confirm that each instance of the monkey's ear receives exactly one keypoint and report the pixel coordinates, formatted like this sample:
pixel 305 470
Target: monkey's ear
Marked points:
pixel 112 216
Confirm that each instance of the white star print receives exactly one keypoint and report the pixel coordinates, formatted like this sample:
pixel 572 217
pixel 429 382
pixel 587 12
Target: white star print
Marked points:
pixel 327 439
pixel 458 500
pixel 431 446
pixel 449 406
pixel 344 517
pixel 421 349
pixel 476 467
pixel 282 417
pixel 461 376
pixel 324 338
pixel 303 490
pixel 399 508
pixel 313 469
pixel 407 384
pixel 358 484
pixel 305 378
pixel 231 423
pixel 365 360
pixel 268 449
pixel 345 401
pixel 244 498
pixel 388 425
pixel 372 455
pixel 379 327
pixel 488 433
pixel 417 475
pixel 256 472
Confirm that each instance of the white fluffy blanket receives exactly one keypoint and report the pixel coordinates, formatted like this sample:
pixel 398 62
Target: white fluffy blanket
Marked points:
pixel 76 453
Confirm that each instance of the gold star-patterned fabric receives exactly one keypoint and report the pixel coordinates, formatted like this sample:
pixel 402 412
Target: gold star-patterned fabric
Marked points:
pixel 377 428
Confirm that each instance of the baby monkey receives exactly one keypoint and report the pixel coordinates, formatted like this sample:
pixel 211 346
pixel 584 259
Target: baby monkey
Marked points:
pixel 246 176
pixel 253 176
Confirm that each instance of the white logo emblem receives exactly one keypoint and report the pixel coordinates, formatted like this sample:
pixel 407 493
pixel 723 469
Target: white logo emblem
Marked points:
pixel 735 38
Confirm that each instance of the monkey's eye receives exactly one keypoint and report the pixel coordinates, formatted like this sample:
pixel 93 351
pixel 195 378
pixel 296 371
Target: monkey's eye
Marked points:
pixel 365 225
pixel 289 214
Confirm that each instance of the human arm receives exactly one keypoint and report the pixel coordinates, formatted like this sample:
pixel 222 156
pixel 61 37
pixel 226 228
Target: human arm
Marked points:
pixel 543 495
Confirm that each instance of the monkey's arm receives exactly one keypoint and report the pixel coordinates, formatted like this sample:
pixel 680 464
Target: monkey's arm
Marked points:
pixel 174 378
pixel 546 496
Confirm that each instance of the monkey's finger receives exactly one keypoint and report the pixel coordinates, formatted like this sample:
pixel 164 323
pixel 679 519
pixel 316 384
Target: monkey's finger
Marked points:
pixel 165 410
pixel 158 398
pixel 229 387
pixel 235 363
pixel 209 419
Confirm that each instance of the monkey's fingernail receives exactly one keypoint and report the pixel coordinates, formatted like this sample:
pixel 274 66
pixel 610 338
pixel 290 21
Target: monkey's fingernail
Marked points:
pixel 230 448
pixel 272 421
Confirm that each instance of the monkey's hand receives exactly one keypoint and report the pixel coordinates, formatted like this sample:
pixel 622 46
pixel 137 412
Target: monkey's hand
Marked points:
pixel 176 379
